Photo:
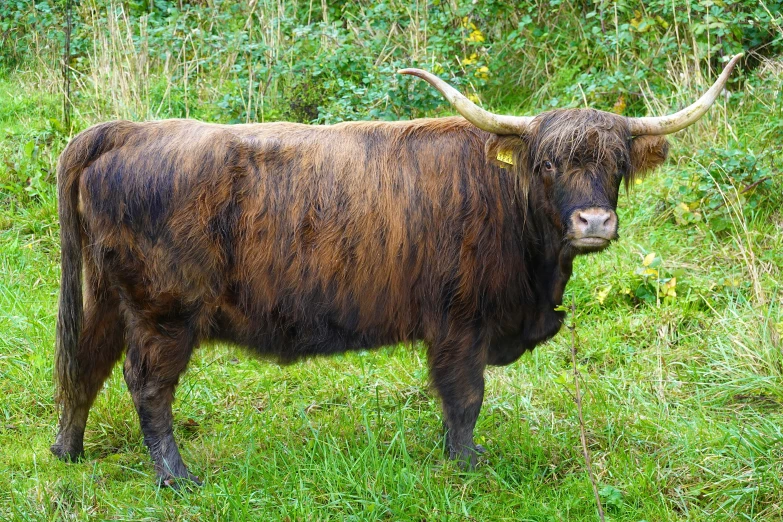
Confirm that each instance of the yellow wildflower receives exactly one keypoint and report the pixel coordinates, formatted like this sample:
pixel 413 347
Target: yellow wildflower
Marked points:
pixel 470 60
pixel 476 36
pixel 467 24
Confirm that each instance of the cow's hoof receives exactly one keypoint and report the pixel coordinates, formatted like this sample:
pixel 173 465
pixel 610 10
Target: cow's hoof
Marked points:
pixel 179 483
pixel 65 453
pixel 466 458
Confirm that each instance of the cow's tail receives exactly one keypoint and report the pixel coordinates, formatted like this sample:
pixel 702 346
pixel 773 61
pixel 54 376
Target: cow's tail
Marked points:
pixel 77 156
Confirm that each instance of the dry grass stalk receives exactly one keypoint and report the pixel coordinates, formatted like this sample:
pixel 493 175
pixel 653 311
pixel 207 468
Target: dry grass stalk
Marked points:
pixel 578 400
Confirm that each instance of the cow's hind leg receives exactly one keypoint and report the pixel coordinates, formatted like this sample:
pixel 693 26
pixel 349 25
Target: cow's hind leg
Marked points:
pixel 457 372
pixel 156 358
pixel 81 375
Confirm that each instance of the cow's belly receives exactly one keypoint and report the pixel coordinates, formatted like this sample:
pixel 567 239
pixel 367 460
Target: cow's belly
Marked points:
pixel 536 328
pixel 280 334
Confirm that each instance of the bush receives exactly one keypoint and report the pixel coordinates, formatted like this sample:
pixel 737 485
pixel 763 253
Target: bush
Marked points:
pixel 246 60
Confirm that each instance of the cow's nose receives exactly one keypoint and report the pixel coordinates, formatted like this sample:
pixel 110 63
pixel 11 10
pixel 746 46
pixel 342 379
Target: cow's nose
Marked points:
pixel 594 222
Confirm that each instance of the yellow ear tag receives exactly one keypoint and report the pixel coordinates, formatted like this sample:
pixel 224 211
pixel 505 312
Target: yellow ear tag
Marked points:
pixel 506 156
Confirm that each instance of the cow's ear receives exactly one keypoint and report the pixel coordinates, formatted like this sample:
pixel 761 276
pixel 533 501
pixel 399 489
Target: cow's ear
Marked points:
pixel 506 151
pixel 647 154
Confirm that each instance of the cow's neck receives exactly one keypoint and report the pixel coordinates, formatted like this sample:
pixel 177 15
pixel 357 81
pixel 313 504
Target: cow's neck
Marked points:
pixel 549 273
pixel 532 318
pixel 550 261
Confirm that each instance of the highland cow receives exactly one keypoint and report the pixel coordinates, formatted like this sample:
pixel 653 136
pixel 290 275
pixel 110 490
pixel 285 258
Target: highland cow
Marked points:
pixel 296 240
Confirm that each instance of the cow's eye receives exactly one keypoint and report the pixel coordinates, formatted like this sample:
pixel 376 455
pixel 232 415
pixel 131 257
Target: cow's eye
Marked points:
pixel 548 166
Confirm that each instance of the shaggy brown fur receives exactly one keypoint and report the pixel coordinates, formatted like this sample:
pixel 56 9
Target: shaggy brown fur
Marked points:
pixel 295 240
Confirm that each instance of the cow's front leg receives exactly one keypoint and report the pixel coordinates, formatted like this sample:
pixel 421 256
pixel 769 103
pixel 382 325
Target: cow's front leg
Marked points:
pixel 457 371
pixel 153 365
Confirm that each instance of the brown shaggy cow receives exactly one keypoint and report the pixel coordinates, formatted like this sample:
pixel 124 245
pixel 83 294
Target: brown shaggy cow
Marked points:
pixel 296 240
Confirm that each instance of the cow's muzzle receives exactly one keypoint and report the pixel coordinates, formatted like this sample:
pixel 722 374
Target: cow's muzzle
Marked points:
pixel 593 228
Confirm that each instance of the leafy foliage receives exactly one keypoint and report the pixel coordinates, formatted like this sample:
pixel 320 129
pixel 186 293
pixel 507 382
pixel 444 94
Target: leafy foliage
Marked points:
pixel 724 181
pixel 298 61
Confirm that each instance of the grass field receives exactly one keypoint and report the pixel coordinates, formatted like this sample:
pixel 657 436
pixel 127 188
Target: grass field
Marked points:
pixel 682 379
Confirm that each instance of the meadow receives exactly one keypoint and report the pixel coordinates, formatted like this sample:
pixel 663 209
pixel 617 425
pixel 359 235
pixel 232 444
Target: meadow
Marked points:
pixel 678 324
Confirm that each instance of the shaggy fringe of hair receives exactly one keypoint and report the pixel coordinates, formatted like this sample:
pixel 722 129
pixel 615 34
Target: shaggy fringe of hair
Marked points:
pixel 594 138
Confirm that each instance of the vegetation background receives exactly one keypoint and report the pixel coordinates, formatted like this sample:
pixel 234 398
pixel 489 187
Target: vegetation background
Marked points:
pixel 678 323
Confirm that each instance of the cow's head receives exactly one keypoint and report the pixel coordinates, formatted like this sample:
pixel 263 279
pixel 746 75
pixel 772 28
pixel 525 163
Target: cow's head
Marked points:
pixel 575 160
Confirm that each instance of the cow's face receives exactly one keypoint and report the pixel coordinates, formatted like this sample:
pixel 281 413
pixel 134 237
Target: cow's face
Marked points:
pixel 577 160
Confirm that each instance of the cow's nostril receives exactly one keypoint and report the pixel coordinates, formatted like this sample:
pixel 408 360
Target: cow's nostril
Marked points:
pixel 594 222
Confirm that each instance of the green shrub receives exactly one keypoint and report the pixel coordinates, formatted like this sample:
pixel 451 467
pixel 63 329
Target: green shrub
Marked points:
pixel 540 54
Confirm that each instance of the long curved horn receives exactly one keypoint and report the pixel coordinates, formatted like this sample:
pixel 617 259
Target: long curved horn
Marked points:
pixel 484 120
pixel 657 125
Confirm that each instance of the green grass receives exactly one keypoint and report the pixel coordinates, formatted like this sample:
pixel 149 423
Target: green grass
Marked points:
pixel 683 398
